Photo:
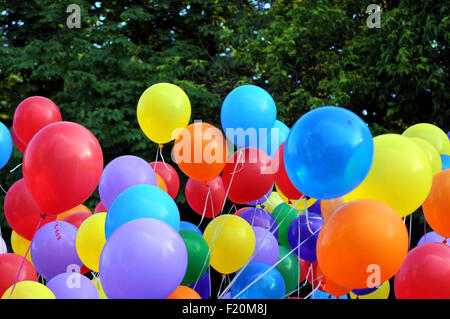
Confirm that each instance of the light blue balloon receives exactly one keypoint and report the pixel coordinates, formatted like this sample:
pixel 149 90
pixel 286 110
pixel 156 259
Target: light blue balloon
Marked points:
pixel 250 109
pixel 445 161
pixel 323 295
pixel 190 226
pixel 270 286
pixel 6 145
pixel 277 136
pixel 328 153
pixel 141 201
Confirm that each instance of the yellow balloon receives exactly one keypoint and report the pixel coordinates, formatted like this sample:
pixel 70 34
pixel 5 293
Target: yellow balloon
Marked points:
pixel 28 290
pixel 232 242
pixel 380 293
pixel 99 287
pixel 433 155
pixel 272 201
pixel 432 134
pixel 292 202
pixel 90 240
pixel 400 175
pixel 20 245
pixel 162 109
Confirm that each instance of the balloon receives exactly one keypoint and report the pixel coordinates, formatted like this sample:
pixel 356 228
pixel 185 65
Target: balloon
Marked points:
pixel 362 292
pixel 163 108
pixel 142 201
pixel 328 152
pixel 77 219
pixel 282 180
pixel 33 114
pixel 203 286
pixel 169 175
pixel 432 237
pixel 75 210
pixel 72 286
pixel 432 134
pixel 90 240
pixel 100 208
pixel 99 287
pixel 266 247
pixel 248 108
pixel 381 293
pixel 304 268
pixel 400 176
pixel 183 292
pixel 20 245
pixel 276 136
pixel 315 208
pixel 261 218
pixel 445 161
pixel 297 203
pixel 269 286
pixel 122 173
pixel 21 211
pixel 190 226
pixel 9 268
pixel 62 166
pixel 431 153
pixel 200 151
pixel 364 241
pixel 198 256
pixel 330 286
pixel 289 268
pixel 323 295
pixel 17 140
pixel 328 206
pixel 273 201
pixel 53 249
pixel 284 215
pixel 6 145
pixel 231 240
pixel 248 175
pixel 28 290
pixel 3 248
pixel 424 273
pixel 203 203
pixel 241 210
pixel 261 200
pixel 303 238
pixel 151 254
pixel 160 183
pixel 437 205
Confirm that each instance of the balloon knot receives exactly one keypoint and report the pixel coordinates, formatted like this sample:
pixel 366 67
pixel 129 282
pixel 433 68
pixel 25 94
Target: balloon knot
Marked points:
pixel 160 145
pixel 445 241
pixel 223 275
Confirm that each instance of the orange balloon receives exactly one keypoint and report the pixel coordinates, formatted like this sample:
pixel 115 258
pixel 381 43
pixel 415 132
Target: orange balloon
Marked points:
pixel 160 182
pixel 328 206
pixel 77 209
pixel 330 286
pixel 200 151
pixel 183 292
pixel 436 207
pixel 362 244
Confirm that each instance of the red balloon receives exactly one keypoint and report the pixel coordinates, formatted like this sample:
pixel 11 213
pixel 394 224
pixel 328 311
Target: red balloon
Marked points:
pixel 281 178
pixel 253 175
pixel 425 273
pixel 169 175
pixel 197 196
pixel 32 114
pixel 77 219
pixel 240 211
pixel 62 166
pixel 100 208
pixel 9 269
pixel 17 141
pixel 304 268
pixel 22 212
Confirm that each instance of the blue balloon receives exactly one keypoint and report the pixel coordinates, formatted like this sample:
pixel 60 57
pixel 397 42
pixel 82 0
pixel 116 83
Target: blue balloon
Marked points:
pixel 190 226
pixel 276 136
pixel 323 295
pixel 270 286
pixel 141 201
pixel 445 161
pixel 6 145
pixel 365 291
pixel 307 250
pixel 250 109
pixel 203 286
pixel 328 153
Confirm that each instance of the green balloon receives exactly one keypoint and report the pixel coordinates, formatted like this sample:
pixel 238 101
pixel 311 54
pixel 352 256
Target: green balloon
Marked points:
pixel 284 215
pixel 289 268
pixel 198 257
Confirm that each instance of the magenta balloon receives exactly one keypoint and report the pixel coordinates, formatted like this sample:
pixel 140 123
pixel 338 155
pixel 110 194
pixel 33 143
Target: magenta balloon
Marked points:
pixel 53 249
pixel 266 247
pixel 143 259
pixel 122 173
pixel 71 285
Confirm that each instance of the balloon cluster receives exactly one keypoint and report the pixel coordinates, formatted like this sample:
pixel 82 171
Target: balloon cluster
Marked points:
pixel 321 204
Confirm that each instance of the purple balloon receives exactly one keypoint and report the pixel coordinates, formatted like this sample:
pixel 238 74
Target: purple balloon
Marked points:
pixel 53 249
pixel 315 208
pixel 3 248
pixel 266 247
pixel 227 296
pixel 72 285
pixel 448 135
pixel 143 259
pixel 203 286
pixel 260 218
pixel 122 173
pixel 365 291
pixel 262 199
pixel 432 237
pixel 299 233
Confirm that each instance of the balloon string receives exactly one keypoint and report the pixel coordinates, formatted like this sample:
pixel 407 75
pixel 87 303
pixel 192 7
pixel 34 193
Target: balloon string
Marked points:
pixel 221 284
pixel 162 157
pixel 25 257
pixel 156 159
pixel 231 182
pixel 313 291
pixel 307 216
pixel 206 205
pixel 425 227
pixel 3 189
pixel 17 166
pixel 410 230
pixel 299 268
